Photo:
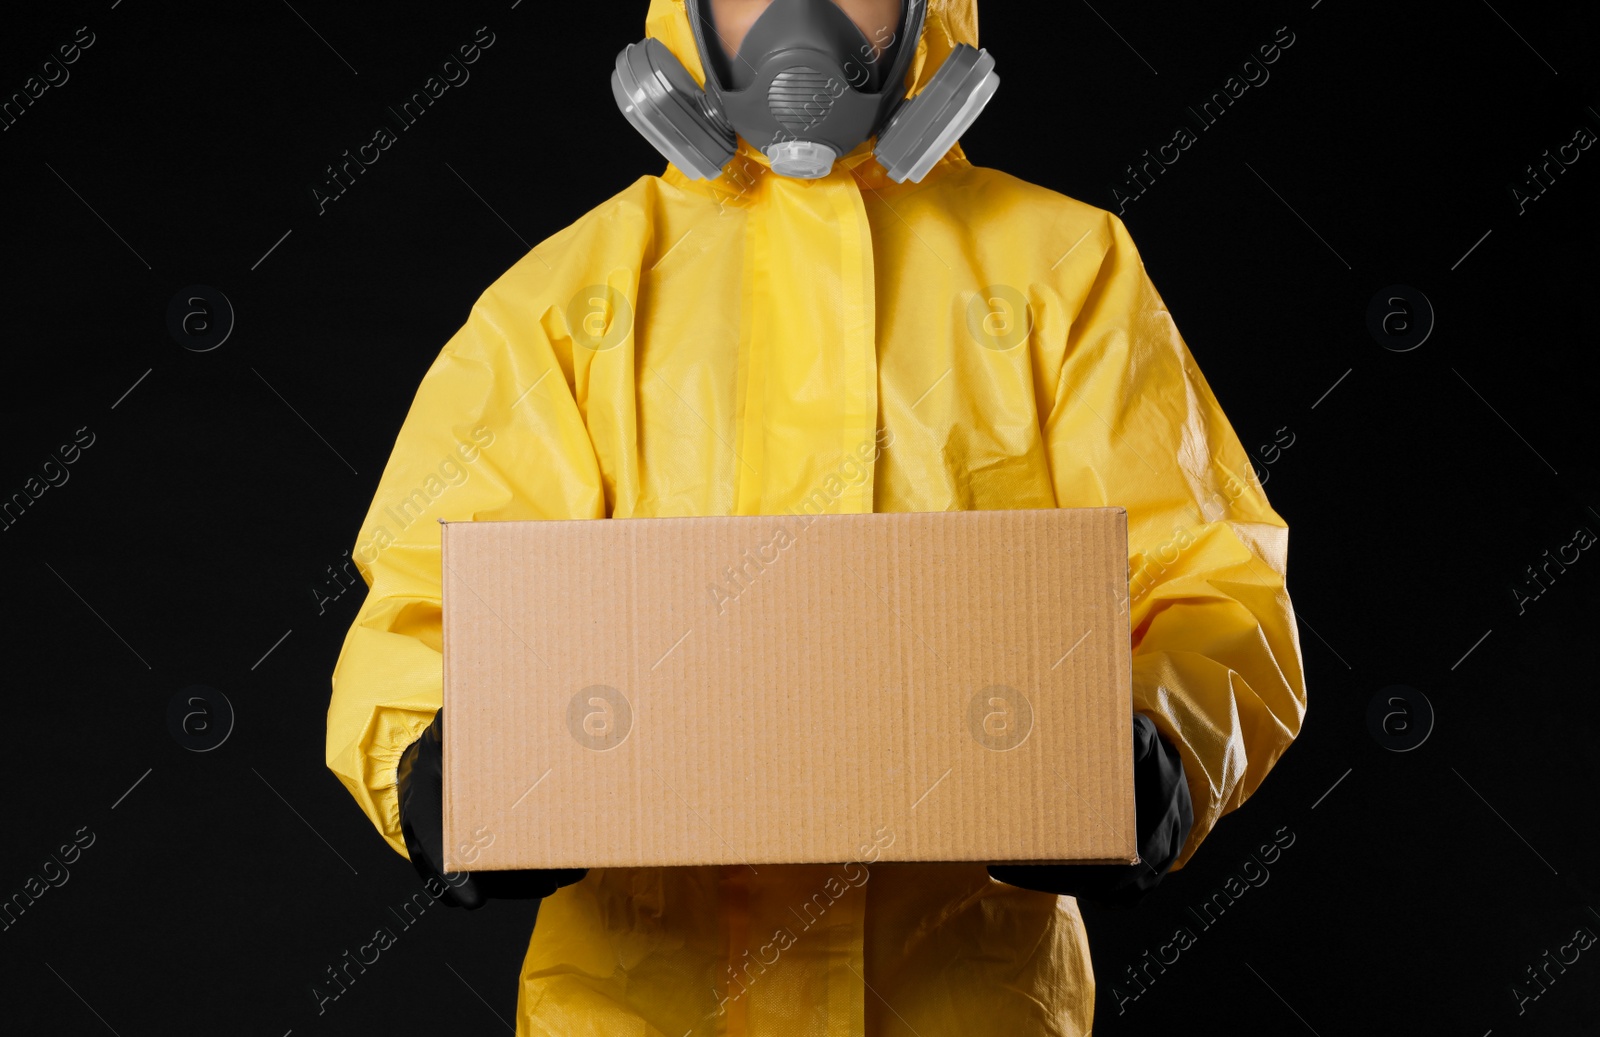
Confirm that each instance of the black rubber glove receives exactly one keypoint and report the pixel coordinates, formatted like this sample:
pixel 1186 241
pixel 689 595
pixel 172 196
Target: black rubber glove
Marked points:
pixel 421 787
pixel 1164 816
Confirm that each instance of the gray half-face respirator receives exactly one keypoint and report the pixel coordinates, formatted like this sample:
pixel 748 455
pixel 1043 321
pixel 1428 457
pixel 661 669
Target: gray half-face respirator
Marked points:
pixel 806 87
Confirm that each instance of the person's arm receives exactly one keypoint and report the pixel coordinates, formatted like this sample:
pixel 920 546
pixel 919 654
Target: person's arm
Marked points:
pixel 494 433
pixel 1216 654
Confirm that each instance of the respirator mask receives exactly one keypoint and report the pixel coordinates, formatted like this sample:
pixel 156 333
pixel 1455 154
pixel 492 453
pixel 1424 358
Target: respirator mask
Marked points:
pixel 805 87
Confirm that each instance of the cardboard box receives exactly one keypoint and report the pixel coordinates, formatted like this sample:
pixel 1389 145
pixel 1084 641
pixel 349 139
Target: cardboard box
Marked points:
pixel 769 689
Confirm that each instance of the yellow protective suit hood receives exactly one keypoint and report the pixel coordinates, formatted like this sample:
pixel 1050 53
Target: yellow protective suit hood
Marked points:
pixel 754 343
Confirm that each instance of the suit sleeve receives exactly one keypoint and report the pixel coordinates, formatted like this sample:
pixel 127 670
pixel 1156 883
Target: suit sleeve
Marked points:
pixel 1216 652
pixel 494 433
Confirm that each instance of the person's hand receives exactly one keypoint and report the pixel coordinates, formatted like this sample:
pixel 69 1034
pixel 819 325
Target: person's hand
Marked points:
pixel 421 787
pixel 1164 816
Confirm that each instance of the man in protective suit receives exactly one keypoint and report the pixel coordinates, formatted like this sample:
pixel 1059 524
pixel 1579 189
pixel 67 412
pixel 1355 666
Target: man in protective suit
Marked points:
pixel 822 303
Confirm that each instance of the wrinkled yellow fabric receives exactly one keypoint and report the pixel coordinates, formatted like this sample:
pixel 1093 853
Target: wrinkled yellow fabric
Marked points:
pixel 738 347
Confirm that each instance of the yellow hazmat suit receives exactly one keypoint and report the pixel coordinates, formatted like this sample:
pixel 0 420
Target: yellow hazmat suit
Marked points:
pixel 750 344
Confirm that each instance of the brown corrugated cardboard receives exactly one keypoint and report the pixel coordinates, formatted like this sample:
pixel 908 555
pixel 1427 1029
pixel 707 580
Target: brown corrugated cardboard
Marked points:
pixel 769 689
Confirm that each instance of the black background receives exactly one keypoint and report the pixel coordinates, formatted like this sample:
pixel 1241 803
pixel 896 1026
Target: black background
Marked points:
pixel 190 536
